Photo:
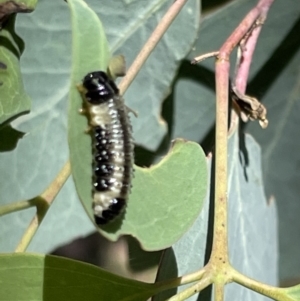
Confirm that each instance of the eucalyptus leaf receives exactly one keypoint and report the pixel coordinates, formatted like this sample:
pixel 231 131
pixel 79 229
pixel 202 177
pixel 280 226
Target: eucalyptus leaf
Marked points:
pixel 40 278
pixel 166 198
pixel 14 100
pixel 85 26
pixel 252 228
pixel 128 26
pixel 164 189
pixel 46 66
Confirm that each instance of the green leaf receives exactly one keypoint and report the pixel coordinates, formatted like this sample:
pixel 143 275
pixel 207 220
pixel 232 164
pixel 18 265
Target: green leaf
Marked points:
pixel 128 25
pixel 252 227
pixel 176 261
pixel 158 187
pixel 86 30
pixel 166 198
pixel 279 90
pixel 40 277
pixel 46 67
pixel 14 100
pixel 90 50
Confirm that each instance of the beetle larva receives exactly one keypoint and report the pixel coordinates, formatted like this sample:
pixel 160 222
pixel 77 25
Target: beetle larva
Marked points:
pixel 112 146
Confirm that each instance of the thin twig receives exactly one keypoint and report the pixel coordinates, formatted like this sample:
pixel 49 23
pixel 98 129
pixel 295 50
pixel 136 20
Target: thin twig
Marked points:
pixel 258 16
pixel 18 206
pixel 149 46
pixel 192 290
pixel 204 56
pixel 245 54
pixel 175 282
pixel 261 288
pixel 44 202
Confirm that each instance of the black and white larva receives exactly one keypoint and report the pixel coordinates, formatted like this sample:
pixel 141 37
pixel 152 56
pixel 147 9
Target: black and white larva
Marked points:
pixel 112 145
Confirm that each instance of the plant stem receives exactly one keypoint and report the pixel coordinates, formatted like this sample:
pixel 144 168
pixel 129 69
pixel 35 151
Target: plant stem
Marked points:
pixel 192 290
pixel 171 283
pixel 257 16
pixel 43 202
pixel 220 247
pixel 17 206
pixel 204 56
pixel 193 276
pixel 275 293
pixel 218 270
pixel 219 266
pixel 219 291
pixel 149 46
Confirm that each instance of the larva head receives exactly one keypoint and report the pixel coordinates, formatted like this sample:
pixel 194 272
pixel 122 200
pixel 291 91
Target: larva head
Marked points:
pixel 100 88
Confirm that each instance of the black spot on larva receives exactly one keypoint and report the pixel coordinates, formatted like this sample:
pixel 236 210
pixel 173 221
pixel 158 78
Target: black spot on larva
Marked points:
pixel 101 144
pixel 117 205
pixel 112 146
pixel 102 184
pixel 100 220
pixel 102 157
pixel 115 208
pixel 100 133
pixel 103 170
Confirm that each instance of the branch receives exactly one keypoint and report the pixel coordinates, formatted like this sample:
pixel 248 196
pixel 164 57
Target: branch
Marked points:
pixel 245 35
pixel 275 293
pixel 155 37
pixel 251 23
pixel 192 290
pixel 43 203
pixel 18 206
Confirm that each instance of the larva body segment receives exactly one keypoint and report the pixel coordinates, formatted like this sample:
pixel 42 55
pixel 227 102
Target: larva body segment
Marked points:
pixel 112 146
